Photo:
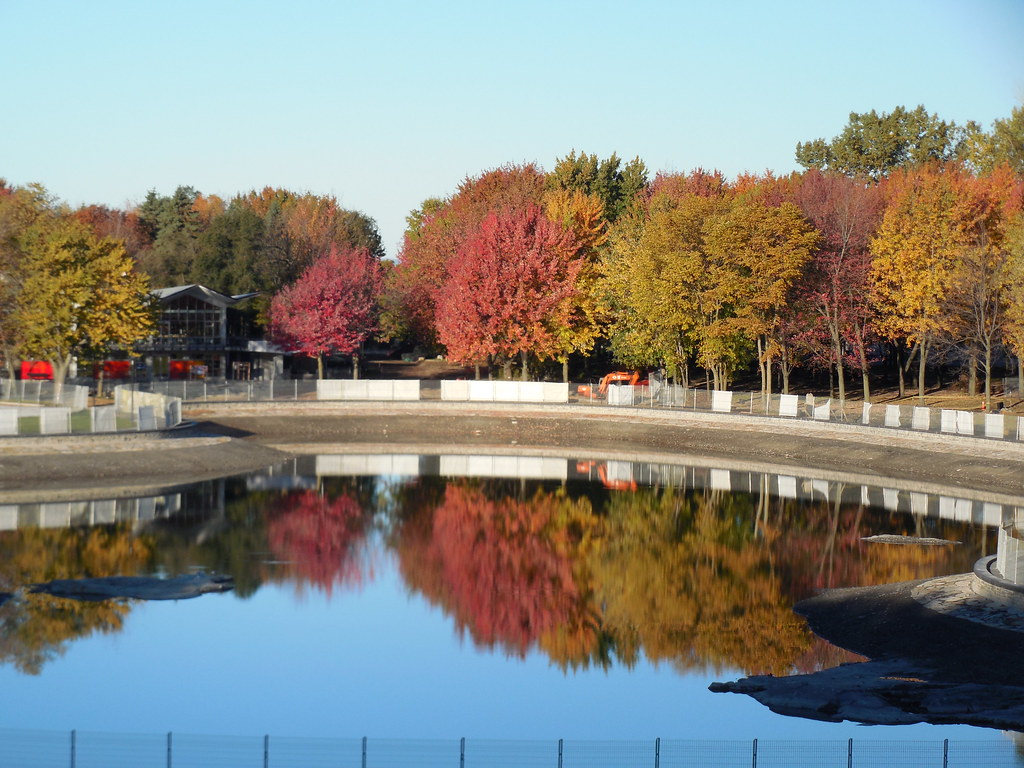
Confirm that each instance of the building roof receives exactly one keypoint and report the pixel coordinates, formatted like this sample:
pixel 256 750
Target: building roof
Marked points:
pixel 208 295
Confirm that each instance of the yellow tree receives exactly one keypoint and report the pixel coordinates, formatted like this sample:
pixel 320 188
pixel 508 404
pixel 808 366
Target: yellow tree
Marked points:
pixel 583 215
pixel 761 250
pixel 1013 332
pixel 80 294
pixel 914 256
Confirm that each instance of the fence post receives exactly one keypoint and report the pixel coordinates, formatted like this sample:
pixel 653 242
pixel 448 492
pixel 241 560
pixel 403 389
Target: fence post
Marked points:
pixel 266 751
pixel 296 381
pixel 945 753
pixel 657 752
pixel 849 754
pixel 364 752
pixel 754 755
pixel 559 753
pixel 72 749
pixel 168 749
pixel 462 752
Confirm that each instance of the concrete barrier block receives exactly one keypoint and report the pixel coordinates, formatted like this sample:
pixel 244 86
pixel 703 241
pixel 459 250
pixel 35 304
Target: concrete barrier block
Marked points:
pixel 531 392
pixel 454 390
pixel 555 392
pixel 964 423
pixel 146 418
pixel 55 421
pixel 9 421
pixel 104 417
pixel 922 418
pixel 823 412
pixel 948 421
pixel 995 425
pixel 505 391
pixel 621 395
pixel 788 405
pixel 892 415
pixel 865 414
pixel 721 402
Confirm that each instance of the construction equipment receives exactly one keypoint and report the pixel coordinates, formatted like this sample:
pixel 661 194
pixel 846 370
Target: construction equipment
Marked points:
pixel 615 377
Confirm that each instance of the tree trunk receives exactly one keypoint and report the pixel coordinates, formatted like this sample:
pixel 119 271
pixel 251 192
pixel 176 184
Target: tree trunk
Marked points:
pixel 355 367
pixel 988 377
pixel 476 370
pixel 60 374
pixel 565 370
pixel 972 373
pixel 524 357
pixel 840 375
pixel 506 369
pixel 99 382
pixel 899 370
pixel 319 366
pixel 921 362
pixel 760 365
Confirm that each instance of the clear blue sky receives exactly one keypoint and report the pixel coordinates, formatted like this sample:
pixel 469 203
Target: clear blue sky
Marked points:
pixel 386 103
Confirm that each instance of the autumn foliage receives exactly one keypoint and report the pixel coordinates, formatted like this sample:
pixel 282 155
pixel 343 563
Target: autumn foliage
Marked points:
pixel 332 307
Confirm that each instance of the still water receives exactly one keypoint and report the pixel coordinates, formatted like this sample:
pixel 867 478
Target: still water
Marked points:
pixel 446 596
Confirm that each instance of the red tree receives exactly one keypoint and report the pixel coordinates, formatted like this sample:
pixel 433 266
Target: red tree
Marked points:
pixel 439 230
pixel 331 308
pixel 846 212
pixel 323 539
pixel 506 286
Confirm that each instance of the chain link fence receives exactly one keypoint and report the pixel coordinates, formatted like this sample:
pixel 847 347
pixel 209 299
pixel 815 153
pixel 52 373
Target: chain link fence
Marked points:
pixel 53 749
pixel 31 408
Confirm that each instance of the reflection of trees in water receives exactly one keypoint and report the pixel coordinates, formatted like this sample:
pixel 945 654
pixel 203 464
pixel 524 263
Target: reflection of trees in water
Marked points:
pixel 320 538
pixel 505 568
pixel 695 578
pixel 34 628
pixel 700 579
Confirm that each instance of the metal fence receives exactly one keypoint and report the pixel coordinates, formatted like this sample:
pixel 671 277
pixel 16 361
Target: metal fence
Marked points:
pixel 53 749
pixel 34 408
pixel 214 390
pixel 995 426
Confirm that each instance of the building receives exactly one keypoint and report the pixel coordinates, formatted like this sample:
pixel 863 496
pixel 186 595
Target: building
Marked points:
pixel 203 333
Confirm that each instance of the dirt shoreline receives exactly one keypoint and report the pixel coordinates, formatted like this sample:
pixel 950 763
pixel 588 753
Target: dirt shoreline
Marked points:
pixel 234 438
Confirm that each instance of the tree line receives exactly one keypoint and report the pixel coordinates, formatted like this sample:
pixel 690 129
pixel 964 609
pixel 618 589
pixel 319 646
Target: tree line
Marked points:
pixel 901 240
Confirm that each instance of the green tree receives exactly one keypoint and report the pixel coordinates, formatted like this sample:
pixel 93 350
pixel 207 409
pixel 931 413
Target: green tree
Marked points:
pixel 617 186
pixel 1004 144
pixel 873 144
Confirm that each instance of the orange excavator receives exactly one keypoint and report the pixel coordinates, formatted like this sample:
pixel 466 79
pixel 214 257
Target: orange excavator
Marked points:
pixel 612 484
pixel 623 377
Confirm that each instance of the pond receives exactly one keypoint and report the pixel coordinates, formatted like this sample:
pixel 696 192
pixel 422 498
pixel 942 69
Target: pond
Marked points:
pixel 506 597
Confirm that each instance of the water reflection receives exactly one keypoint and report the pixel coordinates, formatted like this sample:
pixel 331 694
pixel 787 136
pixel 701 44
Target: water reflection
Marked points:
pixel 593 563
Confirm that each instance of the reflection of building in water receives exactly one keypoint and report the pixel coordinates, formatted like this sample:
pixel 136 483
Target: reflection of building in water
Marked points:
pixel 619 475
pixel 205 499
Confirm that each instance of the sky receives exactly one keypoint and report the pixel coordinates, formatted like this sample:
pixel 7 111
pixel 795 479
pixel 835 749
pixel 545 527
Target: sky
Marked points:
pixel 384 104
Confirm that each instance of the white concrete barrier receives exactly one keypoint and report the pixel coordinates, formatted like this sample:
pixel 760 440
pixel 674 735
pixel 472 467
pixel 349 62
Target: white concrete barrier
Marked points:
pixel 620 395
pixel 865 414
pixel 721 401
pixel 9 421
pixel 104 418
pixel 892 415
pixel 368 389
pixel 788 405
pixel 922 418
pixel 146 418
pixel 823 412
pixel 948 421
pixel 994 425
pixel 964 423
pixel 505 391
pixel 55 421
